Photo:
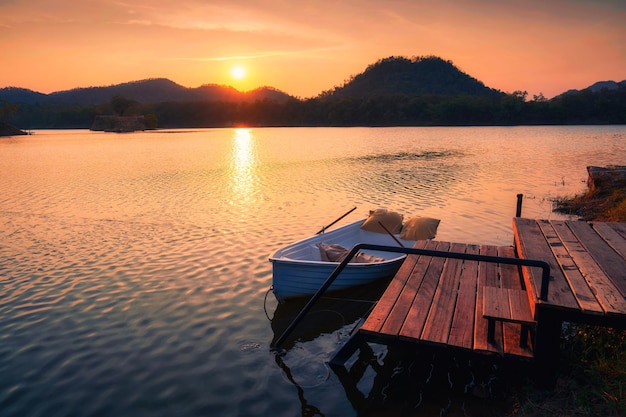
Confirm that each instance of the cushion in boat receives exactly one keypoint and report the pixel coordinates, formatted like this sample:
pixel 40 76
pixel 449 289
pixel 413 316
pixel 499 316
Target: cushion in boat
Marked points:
pixel 419 228
pixel 332 252
pixel 391 220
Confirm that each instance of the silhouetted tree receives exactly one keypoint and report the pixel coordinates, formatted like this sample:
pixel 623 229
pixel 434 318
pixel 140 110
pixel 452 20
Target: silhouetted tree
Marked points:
pixel 121 105
pixel 7 109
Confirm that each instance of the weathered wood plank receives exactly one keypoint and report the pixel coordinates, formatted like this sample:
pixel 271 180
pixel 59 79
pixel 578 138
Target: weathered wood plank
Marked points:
pixel 489 270
pixel 610 261
pixel 510 306
pixel 619 228
pixel 611 236
pixel 507 304
pixel 418 311
pixel 380 312
pixel 496 303
pixel 520 308
pixel 603 289
pixel 397 314
pixel 509 274
pixel 512 346
pixel 439 319
pixel 531 244
pixel 487 275
pixel 510 277
pixel 462 328
pixel 562 241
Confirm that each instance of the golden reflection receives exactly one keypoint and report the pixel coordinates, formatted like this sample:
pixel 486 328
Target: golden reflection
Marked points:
pixel 243 165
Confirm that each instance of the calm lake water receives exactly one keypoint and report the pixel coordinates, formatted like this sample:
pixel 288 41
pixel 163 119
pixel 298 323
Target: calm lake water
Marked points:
pixel 134 271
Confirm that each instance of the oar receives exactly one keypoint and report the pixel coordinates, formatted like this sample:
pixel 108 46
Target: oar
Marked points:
pixel 391 234
pixel 326 227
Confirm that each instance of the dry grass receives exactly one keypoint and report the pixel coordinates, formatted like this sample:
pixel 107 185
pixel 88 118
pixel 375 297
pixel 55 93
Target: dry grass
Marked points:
pixel 600 205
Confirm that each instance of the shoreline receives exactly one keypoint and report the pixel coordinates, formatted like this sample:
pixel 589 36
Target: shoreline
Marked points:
pixel 604 200
pixel 9 130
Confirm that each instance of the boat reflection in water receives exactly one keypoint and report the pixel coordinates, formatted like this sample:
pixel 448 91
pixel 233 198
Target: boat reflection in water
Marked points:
pixel 335 311
pixel 419 380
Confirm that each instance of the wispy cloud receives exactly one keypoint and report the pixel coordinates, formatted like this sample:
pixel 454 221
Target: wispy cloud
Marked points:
pixel 507 44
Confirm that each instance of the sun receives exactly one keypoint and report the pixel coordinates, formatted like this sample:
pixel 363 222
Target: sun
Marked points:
pixel 238 72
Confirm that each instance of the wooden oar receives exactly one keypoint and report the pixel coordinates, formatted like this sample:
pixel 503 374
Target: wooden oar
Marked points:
pixel 326 227
pixel 390 234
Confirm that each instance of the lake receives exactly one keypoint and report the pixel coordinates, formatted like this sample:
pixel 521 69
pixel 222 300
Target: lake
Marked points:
pixel 134 268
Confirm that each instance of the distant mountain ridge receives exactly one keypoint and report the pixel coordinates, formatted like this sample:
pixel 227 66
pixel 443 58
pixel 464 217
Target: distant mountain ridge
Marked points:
pixel 153 90
pixel 598 87
pixel 391 76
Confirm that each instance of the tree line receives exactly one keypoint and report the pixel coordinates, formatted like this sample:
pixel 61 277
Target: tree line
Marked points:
pixel 583 107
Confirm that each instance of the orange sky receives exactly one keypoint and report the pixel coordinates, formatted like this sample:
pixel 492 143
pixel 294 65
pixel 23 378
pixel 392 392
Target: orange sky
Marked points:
pixel 306 47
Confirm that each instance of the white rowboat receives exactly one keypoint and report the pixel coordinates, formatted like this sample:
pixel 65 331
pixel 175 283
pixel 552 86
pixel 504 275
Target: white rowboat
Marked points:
pixel 298 268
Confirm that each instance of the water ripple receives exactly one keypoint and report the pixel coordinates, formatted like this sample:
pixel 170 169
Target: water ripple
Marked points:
pixel 133 270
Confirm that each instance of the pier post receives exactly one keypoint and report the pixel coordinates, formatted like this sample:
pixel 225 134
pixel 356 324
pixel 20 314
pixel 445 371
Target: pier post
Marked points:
pixel 518 211
pixel 547 347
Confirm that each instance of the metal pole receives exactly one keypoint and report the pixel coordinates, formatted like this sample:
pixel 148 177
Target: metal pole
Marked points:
pixel 317 295
pixel 518 212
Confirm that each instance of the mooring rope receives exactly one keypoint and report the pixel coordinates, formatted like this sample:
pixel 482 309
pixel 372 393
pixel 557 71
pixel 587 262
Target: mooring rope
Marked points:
pixel 265 302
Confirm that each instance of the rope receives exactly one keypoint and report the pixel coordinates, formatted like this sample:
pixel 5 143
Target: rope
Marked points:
pixel 265 302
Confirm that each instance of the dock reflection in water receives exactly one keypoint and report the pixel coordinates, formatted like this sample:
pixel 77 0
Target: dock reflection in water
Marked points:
pixel 406 380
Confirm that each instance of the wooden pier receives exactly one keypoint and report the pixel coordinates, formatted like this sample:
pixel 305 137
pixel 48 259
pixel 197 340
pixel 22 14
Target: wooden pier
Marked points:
pixel 496 308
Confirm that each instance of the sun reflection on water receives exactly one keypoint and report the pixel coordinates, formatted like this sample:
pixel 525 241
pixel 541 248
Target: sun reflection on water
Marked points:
pixel 243 166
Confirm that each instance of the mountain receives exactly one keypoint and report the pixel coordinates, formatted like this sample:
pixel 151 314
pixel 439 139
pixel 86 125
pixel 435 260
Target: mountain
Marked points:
pixel 598 87
pixel 418 76
pixel 20 95
pixel 606 85
pixel 392 76
pixel 147 91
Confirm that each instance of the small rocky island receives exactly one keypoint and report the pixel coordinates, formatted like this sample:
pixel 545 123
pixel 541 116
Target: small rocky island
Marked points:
pixel 9 130
pixel 118 124
pixel 125 118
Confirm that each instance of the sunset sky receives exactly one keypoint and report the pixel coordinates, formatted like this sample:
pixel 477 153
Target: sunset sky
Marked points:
pixel 306 47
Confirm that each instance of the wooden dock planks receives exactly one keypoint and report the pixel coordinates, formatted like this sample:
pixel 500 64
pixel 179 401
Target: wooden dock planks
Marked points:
pixel 588 257
pixel 381 313
pixel 531 243
pixel 439 319
pixel 565 247
pixel 487 276
pixel 418 310
pixel 609 261
pixel 590 285
pixel 439 301
pixel 462 326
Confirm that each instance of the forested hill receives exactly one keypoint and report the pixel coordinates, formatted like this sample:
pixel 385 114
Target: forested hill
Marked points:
pixel 411 77
pixel 154 90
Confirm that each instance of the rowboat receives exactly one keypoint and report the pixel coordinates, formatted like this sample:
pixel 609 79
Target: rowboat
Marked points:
pixel 299 269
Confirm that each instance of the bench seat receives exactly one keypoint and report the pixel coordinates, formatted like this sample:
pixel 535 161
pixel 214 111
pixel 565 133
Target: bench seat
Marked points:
pixel 507 305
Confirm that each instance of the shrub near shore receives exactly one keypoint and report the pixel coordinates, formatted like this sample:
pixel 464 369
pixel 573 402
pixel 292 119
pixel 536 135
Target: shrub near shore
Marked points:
pixel 605 199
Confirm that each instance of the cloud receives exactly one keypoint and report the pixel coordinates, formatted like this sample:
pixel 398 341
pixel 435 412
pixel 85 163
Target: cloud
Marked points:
pixel 507 44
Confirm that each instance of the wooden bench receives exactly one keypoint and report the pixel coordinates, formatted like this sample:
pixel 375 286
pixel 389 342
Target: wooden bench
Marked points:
pixel 507 305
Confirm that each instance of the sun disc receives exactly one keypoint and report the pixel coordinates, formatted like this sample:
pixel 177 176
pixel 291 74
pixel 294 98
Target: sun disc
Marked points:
pixel 238 72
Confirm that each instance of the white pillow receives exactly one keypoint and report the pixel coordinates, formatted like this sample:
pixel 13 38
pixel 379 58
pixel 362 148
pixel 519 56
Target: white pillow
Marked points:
pixel 419 228
pixel 391 220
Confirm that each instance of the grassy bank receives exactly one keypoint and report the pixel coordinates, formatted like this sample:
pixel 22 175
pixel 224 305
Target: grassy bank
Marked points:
pixel 592 376
pixel 604 204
